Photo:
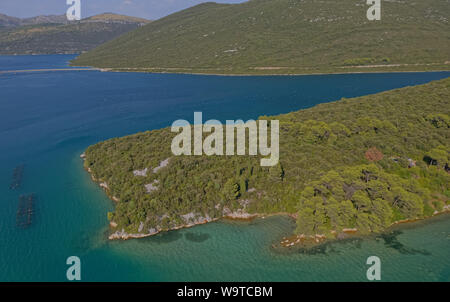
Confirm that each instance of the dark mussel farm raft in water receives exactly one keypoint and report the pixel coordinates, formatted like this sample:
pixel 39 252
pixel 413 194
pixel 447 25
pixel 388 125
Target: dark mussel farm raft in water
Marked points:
pixel 17 177
pixel 25 210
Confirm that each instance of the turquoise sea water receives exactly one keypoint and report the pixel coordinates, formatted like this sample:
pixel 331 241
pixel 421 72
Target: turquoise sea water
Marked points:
pixel 47 119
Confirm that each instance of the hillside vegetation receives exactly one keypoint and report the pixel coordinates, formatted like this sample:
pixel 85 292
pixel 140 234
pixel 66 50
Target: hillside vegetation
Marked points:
pixel 54 34
pixel 356 163
pixel 285 36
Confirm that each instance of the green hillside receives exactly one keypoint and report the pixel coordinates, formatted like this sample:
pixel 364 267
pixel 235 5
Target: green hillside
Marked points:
pixel 356 163
pixel 285 36
pixel 54 34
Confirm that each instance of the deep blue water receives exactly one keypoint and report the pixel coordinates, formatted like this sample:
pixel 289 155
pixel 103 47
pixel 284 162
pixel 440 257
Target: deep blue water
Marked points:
pixel 47 119
pixel 34 62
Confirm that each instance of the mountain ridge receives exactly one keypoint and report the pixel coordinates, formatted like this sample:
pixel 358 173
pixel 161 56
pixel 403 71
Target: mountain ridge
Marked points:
pixel 56 35
pixel 284 36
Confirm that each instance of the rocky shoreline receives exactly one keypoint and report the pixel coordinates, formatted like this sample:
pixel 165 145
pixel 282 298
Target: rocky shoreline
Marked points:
pixel 239 214
pixel 302 240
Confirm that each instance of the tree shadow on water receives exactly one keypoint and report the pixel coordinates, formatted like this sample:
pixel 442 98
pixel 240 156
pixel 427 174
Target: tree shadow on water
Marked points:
pixel 391 241
pixel 330 247
pixel 325 248
pixel 84 242
pixel 321 249
pixel 165 237
pixel 196 236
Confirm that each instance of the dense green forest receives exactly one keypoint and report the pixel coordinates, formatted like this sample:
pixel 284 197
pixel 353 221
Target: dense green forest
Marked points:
pixel 56 35
pixel 355 163
pixel 285 37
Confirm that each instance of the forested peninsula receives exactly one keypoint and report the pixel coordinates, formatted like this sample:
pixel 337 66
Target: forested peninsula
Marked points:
pixel 357 164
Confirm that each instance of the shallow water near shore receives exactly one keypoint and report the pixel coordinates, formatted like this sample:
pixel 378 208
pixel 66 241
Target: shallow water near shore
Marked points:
pixel 47 119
